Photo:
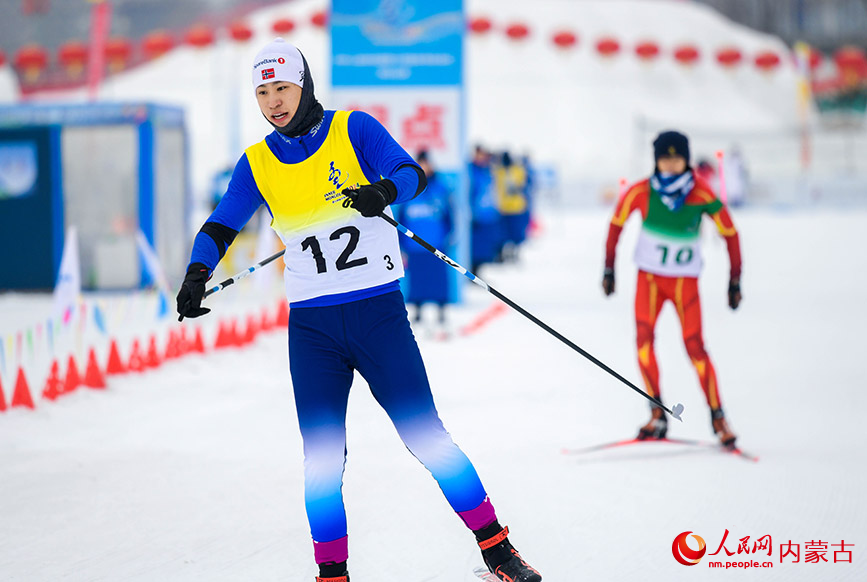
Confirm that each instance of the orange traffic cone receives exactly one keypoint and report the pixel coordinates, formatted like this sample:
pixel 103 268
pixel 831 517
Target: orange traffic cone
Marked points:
pixel 236 336
pixel 93 377
pixel 172 344
pixel 185 344
pixel 252 329
pixel 21 395
pixel 2 398
pixel 115 364
pixel 136 358
pixel 53 385
pixel 153 359
pixel 199 343
pixel 224 337
pixel 267 323
pixel 73 379
pixel 283 313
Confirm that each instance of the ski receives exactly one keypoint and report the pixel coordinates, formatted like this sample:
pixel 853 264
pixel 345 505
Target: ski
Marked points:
pixel 484 574
pixel 691 442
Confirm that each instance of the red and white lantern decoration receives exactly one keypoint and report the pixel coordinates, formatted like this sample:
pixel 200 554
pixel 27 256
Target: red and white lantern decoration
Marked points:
pixel 767 61
pixel 72 56
pixel 564 39
pixel 517 31
pixel 319 19
pixel 157 43
pixel 199 36
pixel 31 60
pixel 240 31
pixel 480 25
pixel 852 64
pixel 687 54
pixel 283 26
pixel 118 51
pixel 607 46
pixel 729 57
pixel 647 50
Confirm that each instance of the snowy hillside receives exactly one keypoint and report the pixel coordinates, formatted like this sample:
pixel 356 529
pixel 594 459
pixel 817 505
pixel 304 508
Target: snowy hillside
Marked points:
pixel 569 108
pixel 580 110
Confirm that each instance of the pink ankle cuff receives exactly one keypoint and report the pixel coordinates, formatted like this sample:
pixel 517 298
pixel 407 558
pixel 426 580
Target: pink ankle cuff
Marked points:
pixel 479 517
pixel 334 551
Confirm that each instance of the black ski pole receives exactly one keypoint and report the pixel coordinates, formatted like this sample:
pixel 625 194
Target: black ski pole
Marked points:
pixel 675 410
pixel 244 273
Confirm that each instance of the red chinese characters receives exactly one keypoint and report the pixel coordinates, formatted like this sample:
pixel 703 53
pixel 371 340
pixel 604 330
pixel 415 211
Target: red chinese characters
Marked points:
pixel 424 129
pixel 378 111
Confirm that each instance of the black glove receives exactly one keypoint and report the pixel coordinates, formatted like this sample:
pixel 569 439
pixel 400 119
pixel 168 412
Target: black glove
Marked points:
pixel 608 281
pixel 192 291
pixel 734 293
pixel 371 199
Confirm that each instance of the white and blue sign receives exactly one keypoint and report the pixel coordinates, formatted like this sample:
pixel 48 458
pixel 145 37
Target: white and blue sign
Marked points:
pixel 401 61
pixel 397 42
pixel 18 169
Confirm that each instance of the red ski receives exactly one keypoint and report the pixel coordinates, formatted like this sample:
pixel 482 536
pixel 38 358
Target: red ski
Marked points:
pixel 484 574
pixel 691 442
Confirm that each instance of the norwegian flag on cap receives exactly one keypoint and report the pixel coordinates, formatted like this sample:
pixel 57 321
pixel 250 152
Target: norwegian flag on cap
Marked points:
pixel 267 74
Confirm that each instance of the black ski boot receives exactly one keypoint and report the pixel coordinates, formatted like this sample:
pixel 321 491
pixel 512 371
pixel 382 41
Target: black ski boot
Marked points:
pixel 331 572
pixel 656 428
pixel 501 558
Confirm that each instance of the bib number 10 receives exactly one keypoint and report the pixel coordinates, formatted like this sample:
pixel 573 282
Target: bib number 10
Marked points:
pixel 683 256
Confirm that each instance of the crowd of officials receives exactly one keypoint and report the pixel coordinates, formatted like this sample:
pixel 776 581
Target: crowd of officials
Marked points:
pixel 500 200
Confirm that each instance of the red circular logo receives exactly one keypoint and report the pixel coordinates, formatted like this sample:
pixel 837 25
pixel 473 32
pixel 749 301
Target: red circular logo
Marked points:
pixel 281 60
pixel 683 553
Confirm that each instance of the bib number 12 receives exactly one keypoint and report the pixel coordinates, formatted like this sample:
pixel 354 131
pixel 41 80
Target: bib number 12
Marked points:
pixel 343 261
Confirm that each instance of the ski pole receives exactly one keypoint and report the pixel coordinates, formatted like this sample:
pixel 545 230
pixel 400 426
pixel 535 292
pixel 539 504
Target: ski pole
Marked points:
pixel 244 273
pixel 675 411
pixel 722 177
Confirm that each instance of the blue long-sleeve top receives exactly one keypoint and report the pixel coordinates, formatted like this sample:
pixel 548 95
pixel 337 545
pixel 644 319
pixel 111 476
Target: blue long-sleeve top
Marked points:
pixel 379 155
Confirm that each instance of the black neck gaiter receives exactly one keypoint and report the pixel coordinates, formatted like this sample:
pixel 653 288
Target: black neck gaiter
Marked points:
pixel 309 112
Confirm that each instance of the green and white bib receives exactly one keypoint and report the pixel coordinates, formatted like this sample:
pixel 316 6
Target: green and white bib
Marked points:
pixel 669 242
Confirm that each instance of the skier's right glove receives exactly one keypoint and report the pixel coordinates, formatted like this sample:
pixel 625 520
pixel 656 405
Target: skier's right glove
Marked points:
pixel 734 293
pixel 192 291
pixel 608 281
pixel 371 199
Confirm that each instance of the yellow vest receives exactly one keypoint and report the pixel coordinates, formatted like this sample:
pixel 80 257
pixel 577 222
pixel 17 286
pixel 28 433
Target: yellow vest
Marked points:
pixel 330 248
pixel 510 182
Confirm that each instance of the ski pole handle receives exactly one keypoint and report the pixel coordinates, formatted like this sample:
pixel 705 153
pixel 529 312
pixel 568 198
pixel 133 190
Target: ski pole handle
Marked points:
pixel 244 273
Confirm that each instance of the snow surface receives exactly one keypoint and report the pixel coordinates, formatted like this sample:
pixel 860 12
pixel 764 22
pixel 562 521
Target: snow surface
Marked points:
pixel 193 471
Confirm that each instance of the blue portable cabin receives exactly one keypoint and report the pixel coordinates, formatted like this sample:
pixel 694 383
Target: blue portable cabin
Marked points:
pixel 110 169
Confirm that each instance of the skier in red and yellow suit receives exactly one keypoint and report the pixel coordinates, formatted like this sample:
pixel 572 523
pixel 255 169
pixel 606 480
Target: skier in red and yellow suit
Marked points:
pixel 672 202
